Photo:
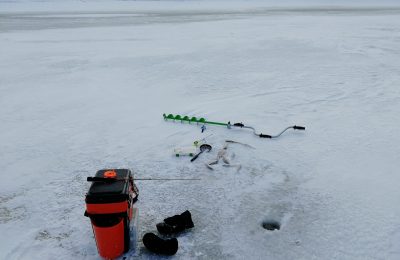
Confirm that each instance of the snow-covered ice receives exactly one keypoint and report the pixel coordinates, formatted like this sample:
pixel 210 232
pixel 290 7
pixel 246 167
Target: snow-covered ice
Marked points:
pixel 83 86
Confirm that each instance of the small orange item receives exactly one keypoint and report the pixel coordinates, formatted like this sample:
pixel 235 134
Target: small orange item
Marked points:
pixel 110 174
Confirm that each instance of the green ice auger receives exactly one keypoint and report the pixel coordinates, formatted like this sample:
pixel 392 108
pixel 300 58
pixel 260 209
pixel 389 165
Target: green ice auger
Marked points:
pixel 193 119
pixel 203 121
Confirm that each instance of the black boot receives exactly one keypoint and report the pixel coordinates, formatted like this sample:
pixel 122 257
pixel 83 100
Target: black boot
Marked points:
pixel 159 245
pixel 176 223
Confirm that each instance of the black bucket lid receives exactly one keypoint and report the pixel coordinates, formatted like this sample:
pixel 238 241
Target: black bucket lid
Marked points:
pixel 109 192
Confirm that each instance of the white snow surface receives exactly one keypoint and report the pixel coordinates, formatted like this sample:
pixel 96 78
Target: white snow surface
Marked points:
pixel 83 89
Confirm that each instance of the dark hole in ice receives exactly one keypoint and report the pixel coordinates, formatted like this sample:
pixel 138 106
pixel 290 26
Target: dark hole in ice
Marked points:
pixel 271 225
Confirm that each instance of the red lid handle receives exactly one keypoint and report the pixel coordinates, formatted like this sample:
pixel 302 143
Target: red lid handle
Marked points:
pixel 110 174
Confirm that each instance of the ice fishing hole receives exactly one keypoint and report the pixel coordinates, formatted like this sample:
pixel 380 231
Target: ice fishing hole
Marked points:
pixel 271 225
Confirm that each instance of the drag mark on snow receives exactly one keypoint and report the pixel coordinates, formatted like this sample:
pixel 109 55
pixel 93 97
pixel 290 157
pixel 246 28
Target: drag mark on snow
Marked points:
pixel 45 235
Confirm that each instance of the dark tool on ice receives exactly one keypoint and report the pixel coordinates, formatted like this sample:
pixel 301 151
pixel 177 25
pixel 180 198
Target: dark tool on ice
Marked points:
pixel 203 121
pixel 203 148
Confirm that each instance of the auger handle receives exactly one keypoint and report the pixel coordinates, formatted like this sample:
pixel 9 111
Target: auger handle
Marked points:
pixel 238 124
pixel 299 127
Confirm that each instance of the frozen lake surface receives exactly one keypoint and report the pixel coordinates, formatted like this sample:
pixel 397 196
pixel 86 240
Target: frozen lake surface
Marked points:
pixel 37 20
pixel 84 88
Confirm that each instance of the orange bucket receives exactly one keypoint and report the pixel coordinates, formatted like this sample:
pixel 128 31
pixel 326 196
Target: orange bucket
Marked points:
pixel 109 204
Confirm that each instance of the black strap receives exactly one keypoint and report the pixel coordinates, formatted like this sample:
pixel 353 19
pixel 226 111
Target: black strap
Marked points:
pixel 118 214
pixel 106 180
